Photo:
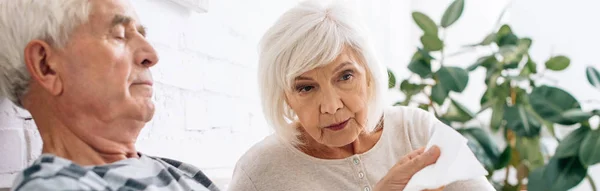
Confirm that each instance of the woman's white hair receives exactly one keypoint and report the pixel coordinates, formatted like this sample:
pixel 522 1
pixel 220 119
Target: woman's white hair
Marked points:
pixel 22 21
pixel 308 36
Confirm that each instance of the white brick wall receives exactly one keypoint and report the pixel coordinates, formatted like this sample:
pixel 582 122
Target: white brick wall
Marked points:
pixel 207 108
pixel 20 143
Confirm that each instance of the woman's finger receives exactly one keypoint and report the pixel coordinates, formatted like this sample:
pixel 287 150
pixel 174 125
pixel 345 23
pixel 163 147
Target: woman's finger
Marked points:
pixel 423 160
pixel 411 155
pixel 438 189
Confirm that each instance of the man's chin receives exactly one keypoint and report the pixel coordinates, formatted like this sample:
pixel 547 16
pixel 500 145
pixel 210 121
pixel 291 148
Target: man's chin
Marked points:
pixel 143 110
pixel 149 111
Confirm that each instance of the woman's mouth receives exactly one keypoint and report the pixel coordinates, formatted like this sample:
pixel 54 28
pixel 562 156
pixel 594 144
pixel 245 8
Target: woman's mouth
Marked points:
pixel 339 126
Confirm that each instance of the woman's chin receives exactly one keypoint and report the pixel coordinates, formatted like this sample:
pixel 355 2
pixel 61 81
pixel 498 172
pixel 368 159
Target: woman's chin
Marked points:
pixel 340 140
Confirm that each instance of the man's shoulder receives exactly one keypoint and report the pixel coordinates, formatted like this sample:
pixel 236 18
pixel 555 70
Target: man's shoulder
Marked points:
pixel 54 173
pixel 185 169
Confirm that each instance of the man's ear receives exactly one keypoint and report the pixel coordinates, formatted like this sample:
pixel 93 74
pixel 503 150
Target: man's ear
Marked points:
pixel 43 71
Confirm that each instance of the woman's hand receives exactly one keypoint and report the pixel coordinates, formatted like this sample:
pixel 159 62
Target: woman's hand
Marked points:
pixel 397 178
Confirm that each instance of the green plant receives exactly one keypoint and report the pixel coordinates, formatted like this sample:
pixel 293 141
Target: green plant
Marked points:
pixel 520 105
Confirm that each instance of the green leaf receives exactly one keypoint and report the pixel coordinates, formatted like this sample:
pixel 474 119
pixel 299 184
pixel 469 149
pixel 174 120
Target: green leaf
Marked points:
pixel 525 72
pixel 431 42
pixel 576 115
pixel 495 92
pixel 421 64
pixel 410 88
pixel 523 98
pixel 478 150
pixel 491 76
pixel 425 23
pixel 459 113
pixel 486 61
pixel 536 180
pixel 391 79
pixel 452 13
pixel 593 76
pixel 485 106
pixel 589 153
pixel 524 44
pixel 509 39
pixel 398 103
pixel 512 65
pixel 531 151
pixel 453 78
pixel 424 54
pixel 558 63
pixel 563 174
pixel 497 115
pixel 532 66
pixel 488 39
pixel 509 54
pixel 550 103
pixel 503 31
pixel 439 94
pixel 483 139
pixel 505 36
pixel 485 148
pixel 504 158
pixel 473 67
pixel 424 107
pixel 521 121
pixel 569 146
pixel 517 78
pixel 449 123
pixel 512 55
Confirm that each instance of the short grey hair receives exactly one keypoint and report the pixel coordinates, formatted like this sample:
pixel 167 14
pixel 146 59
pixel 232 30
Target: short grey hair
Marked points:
pixel 22 21
pixel 308 36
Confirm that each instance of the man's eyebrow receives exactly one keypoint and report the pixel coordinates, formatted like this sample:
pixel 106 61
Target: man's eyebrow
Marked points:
pixel 142 30
pixel 125 20
pixel 120 20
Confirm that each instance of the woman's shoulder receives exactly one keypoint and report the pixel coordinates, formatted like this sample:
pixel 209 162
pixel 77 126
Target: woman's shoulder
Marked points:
pixel 415 123
pixel 403 114
pixel 269 151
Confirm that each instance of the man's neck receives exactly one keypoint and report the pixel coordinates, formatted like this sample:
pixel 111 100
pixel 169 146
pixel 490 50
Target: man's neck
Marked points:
pixel 70 141
pixel 60 141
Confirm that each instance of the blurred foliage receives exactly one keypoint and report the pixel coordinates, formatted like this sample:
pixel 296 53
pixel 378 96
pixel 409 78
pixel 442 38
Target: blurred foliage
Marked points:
pixel 520 105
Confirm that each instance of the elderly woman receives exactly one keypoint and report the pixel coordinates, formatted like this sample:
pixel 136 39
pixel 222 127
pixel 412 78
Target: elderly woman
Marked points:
pixel 81 68
pixel 322 91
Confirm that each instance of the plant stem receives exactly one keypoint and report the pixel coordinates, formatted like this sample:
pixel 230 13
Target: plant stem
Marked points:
pixel 443 47
pixel 591 182
pixel 592 101
pixel 430 102
pixel 506 176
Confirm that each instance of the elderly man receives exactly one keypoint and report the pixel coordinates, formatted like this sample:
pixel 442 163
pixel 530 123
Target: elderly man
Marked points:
pixel 81 68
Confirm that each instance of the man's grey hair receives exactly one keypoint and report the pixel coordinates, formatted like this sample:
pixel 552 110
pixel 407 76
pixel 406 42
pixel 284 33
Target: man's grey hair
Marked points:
pixel 22 21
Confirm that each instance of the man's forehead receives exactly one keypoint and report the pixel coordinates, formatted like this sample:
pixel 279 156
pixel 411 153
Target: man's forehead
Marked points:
pixel 113 10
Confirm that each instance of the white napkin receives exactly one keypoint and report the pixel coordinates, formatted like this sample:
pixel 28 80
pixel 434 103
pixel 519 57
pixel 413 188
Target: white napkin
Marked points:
pixel 456 162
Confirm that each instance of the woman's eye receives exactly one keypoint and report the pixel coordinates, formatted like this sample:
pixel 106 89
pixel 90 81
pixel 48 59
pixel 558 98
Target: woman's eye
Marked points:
pixel 304 88
pixel 347 76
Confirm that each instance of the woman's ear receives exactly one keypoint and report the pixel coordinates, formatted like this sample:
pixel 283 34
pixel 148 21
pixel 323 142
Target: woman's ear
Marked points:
pixel 44 72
